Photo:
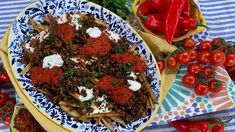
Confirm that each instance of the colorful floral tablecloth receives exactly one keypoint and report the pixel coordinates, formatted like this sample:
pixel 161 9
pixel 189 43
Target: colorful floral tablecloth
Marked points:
pixel 180 102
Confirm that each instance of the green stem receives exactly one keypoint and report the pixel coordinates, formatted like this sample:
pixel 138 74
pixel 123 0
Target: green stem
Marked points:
pixel 145 18
pixel 219 122
pixel 202 25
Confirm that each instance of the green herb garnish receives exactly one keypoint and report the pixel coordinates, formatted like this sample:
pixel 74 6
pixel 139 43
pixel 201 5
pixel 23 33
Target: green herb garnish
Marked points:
pixel 127 67
pixel 117 6
pixel 114 83
pixel 83 22
pixel 118 49
pixel 70 73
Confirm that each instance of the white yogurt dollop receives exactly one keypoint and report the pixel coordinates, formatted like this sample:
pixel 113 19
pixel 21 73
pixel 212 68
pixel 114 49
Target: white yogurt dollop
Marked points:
pixel 52 60
pixel 94 32
pixel 89 93
pixel 134 85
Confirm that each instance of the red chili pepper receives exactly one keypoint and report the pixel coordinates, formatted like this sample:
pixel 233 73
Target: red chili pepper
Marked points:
pixel 172 19
pixel 161 5
pixel 189 23
pixel 196 126
pixel 146 8
pixel 152 22
pixel 187 8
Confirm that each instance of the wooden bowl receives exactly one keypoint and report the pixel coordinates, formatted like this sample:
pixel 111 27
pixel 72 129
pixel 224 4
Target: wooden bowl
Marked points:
pixel 196 13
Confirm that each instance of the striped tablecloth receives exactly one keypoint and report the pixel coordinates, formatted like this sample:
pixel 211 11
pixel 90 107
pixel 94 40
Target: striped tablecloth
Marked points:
pixel 220 16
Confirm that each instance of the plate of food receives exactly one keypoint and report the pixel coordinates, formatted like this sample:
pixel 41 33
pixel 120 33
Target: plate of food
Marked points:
pixel 83 67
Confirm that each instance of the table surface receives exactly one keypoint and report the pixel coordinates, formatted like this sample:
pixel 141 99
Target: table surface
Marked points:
pixel 220 18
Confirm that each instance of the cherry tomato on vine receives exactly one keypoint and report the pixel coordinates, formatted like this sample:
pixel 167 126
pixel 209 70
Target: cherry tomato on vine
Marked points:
pixel 205 46
pixel 230 60
pixel 171 62
pixel 208 71
pixel 7 120
pixel 4 77
pixel 203 57
pixel 217 58
pixel 215 86
pixel 194 68
pixel 9 106
pixel 189 43
pixel 3 99
pixel 188 80
pixel 193 54
pixel 217 42
pixel 161 65
pixel 201 89
pixel 183 58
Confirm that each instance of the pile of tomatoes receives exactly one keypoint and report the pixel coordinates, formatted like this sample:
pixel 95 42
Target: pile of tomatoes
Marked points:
pixel 6 108
pixel 201 74
pixel 6 103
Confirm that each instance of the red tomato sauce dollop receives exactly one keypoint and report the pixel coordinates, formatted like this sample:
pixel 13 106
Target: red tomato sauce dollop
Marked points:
pixel 124 58
pixel 120 94
pixel 50 76
pixel 107 82
pixel 65 32
pixel 97 46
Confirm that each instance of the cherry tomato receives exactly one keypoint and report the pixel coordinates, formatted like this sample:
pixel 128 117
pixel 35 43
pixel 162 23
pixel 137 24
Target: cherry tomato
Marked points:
pixel 205 46
pixel 183 58
pixel 215 86
pixel 194 68
pixel 189 43
pixel 217 58
pixel 171 62
pixel 203 57
pixel 3 99
pixel 217 42
pixel 9 107
pixel 4 77
pixel 230 60
pixel 7 120
pixel 193 54
pixel 161 65
pixel 217 128
pixel 189 80
pixel 201 89
pixel 208 71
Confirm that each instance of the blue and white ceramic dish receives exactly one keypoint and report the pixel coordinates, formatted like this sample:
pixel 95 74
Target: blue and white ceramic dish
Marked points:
pixel 20 29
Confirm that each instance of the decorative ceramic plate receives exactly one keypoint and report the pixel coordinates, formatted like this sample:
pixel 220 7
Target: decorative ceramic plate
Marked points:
pixel 21 29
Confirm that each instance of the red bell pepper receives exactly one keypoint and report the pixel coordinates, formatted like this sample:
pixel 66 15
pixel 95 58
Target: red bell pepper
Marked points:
pixel 172 19
pixel 146 8
pixel 161 5
pixel 196 126
pixel 152 22
pixel 189 23
pixel 187 8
